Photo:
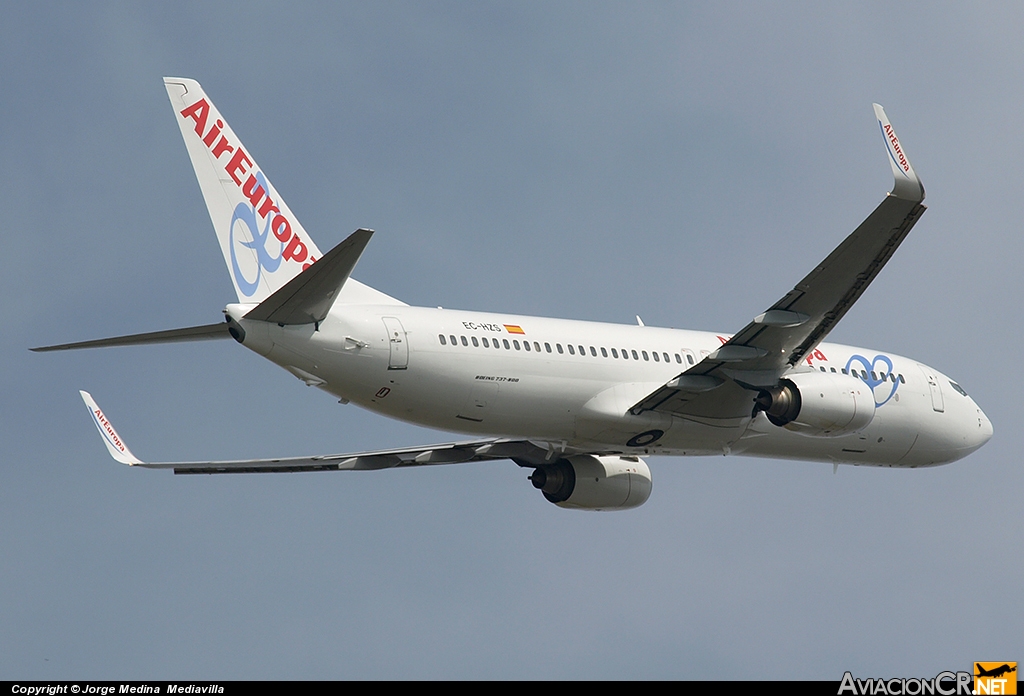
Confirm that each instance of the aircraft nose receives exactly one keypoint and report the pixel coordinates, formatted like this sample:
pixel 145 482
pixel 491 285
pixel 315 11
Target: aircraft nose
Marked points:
pixel 986 427
pixel 981 430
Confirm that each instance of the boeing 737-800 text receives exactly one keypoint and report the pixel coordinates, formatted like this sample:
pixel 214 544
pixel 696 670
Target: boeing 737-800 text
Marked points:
pixel 579 403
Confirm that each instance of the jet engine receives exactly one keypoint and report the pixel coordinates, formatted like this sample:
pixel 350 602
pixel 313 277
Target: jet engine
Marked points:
pixel 588 482
pixel 819 404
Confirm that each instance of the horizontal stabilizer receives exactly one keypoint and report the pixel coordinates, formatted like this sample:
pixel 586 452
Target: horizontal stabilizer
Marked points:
pixel 192 333
pixel 308 297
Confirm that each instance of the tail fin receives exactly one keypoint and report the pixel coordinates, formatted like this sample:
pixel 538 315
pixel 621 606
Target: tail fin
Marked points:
pixel 264 246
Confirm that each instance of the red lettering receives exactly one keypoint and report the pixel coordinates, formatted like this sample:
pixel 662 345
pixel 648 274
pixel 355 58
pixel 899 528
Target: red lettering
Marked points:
pixel 896 148
pixel 222 147
pixel 282 228
pixel 198 112
pixel 268 205
pixel 818 355
pixel 251 191
pixel 308 263
pixel 214 132
pixel 236 166
pixel 723 339
pixel 295 251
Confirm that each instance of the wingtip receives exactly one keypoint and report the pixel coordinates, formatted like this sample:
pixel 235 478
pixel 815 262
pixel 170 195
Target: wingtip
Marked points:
pixel 115 445
pixel 906 185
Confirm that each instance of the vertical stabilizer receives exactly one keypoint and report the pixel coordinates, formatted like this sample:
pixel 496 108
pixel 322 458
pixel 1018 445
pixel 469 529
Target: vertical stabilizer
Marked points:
pixel 264 246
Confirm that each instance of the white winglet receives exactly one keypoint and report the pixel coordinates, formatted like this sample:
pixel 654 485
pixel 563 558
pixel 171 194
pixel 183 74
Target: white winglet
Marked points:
pixel 113 441
pixel 907 185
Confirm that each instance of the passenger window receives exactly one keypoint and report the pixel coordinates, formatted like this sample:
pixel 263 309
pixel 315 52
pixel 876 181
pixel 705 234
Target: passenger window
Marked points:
pixel 547 346
pixel 515 344
pixel 873 377
pixel 902 381
pixel 833 370
pixel 644 353
pixel 665 355
pixel 486 344
pixel 454 342
pixel 441 338
pixel 583 351
pixel 625 354
pixel 604 353
pixel 593 352
pixel 892 377
pixel 504 342
pixel 526 345
pixel 464 341
pixel 656 358
pixel 476 343
pixel 689 358
pixel 822 368
pixel 635 356
pixel 679 359
pixel 615 353
pixel 572 351
pixel 558 347
pixel 844 370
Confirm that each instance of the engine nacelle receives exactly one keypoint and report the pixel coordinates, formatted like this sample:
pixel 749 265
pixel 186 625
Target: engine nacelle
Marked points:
pixel 819 404
pixel 587 482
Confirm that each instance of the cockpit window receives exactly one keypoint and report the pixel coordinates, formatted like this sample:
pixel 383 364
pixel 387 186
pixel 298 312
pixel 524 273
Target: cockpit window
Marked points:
pixel 957 387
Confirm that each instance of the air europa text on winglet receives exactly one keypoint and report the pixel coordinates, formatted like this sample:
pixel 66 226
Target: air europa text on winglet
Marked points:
pixel 108 429
pixel 891 134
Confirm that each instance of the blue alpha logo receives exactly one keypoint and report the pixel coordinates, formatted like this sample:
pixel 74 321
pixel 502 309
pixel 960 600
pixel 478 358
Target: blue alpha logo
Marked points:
pixel 877 374
pixel 244 217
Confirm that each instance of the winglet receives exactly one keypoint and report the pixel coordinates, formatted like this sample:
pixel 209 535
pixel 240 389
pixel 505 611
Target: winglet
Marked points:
pixel 118 450
pixel 907 185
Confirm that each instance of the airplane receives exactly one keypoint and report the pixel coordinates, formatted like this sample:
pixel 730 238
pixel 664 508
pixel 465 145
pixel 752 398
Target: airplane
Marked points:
pixel 580 403
pixel 995 671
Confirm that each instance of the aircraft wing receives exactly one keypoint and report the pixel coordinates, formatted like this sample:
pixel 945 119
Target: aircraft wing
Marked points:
pixel 786 332
pixel 523 452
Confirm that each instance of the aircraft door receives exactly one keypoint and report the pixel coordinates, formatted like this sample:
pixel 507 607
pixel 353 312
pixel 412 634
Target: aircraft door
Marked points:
pixel 933 387
pixel 398 343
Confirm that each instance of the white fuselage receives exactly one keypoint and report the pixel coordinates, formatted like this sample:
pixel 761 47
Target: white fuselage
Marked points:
pixel 573 382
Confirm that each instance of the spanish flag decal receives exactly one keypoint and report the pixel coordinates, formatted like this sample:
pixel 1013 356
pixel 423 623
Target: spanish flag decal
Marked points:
pixel 513 329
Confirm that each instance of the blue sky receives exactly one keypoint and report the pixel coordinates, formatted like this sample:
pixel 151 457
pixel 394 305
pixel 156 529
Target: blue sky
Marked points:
pixel 684 162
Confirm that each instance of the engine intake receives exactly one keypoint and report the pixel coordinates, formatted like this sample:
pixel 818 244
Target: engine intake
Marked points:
pixel 818 404
pixel 588 482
